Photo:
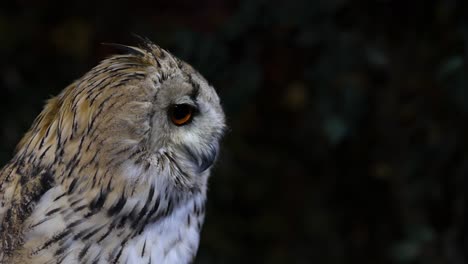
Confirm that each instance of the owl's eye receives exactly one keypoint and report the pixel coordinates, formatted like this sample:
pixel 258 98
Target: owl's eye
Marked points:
pixel 181 114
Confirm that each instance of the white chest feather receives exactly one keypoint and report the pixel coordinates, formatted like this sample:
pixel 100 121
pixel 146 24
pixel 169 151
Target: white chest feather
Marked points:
pixel 174 240
pixel 71 235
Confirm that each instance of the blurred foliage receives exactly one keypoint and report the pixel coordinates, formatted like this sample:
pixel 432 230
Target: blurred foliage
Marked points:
pixel 348 119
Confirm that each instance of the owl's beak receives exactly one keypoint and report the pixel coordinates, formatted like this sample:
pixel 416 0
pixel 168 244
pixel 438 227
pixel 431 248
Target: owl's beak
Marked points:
pixel 207 160
pixel 204 160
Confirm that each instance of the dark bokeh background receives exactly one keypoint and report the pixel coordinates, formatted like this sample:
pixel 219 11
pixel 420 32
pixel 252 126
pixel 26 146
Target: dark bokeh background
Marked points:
pixel 348 139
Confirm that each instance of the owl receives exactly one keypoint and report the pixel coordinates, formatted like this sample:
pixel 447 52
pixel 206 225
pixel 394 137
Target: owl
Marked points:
pixel 115 168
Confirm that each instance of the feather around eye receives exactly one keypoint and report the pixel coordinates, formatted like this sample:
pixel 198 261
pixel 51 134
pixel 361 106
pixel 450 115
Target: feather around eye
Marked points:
pixel 181 114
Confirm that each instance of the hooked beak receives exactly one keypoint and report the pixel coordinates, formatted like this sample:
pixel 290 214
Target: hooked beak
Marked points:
pixel 205 159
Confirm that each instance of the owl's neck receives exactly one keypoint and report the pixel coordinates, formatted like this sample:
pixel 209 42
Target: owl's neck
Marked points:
pixel 132 215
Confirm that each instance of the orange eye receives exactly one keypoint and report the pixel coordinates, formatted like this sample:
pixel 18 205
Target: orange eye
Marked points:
pixel 181 114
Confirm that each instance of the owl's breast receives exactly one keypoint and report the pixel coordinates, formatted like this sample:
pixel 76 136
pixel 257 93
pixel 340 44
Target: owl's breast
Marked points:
pixel 66 229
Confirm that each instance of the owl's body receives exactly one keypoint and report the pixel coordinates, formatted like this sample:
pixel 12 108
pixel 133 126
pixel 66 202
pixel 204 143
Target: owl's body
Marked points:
pixel 105 175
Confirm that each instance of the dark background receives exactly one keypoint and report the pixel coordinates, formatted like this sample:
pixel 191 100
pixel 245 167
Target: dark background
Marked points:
pixel 348 133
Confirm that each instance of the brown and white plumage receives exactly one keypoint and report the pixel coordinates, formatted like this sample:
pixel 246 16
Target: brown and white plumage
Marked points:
pixel 105 176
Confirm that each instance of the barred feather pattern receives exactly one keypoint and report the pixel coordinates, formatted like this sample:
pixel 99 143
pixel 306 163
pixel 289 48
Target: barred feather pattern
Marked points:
pixel 104 177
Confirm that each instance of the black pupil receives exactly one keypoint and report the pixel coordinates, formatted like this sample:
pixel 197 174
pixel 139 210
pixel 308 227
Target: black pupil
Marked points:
pixel 181 111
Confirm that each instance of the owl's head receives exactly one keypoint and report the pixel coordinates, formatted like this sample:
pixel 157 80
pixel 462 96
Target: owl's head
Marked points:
pixel 189 117
pixel 145 116
pixel 186 121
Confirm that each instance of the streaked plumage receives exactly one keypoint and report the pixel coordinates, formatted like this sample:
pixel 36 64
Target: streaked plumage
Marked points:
pixel 104 176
